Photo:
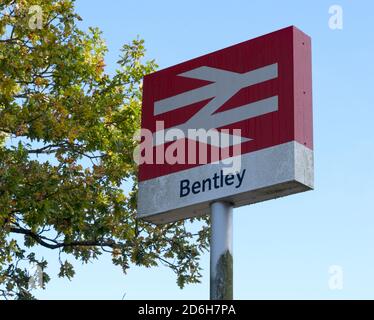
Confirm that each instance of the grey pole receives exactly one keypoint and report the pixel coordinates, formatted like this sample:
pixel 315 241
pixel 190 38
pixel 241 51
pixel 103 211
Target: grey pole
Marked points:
pixel 221 263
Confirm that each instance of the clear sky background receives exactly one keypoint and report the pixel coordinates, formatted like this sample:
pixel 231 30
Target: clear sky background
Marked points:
pixel 282 248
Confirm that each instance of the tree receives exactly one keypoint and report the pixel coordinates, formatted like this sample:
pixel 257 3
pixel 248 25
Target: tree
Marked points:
pixel 66 146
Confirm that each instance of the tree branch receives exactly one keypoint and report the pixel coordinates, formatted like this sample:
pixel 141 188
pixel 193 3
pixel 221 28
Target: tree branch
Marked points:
pixel 43 241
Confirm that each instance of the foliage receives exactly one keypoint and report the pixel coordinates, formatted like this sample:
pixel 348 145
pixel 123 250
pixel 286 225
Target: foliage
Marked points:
pixel 73 123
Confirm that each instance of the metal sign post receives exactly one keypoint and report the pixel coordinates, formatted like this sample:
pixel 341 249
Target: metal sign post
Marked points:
pixel 221 255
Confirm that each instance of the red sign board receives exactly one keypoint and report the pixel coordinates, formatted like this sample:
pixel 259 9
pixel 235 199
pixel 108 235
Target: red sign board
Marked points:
pixel 261 87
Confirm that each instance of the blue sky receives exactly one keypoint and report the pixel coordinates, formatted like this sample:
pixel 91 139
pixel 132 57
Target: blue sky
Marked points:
pixel 282 248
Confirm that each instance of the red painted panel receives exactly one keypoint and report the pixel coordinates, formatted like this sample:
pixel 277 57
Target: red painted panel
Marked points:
pixel 289 48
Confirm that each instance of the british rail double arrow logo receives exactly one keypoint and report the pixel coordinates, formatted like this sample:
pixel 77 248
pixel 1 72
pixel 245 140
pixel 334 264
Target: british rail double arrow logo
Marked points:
pixel 225 84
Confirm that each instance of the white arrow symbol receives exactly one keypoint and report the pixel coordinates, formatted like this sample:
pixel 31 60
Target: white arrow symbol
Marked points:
pixel 225 84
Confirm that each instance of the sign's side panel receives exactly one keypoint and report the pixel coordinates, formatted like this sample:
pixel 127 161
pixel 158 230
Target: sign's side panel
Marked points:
pixel 303 89
pixel 303 109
